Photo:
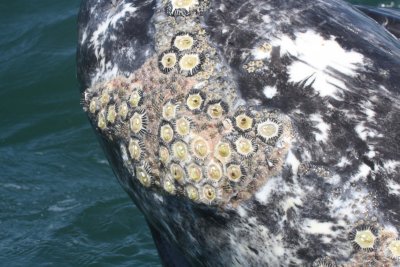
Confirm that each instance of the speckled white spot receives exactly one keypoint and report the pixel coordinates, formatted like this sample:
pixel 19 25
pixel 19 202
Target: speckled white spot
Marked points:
pixel 293 162
pixel 315 227
pixel 269 91
pixel 317 59
pixel 323 134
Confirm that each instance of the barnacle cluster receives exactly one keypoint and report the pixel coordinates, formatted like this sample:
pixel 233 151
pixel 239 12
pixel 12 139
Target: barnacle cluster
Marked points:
pixel 178 120
pixel 185 141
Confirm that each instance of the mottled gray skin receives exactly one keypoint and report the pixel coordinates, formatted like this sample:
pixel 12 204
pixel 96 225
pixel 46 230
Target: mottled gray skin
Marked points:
pixel 193 234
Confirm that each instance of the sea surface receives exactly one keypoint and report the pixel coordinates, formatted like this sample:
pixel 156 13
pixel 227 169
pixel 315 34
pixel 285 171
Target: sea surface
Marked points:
pixel 60 204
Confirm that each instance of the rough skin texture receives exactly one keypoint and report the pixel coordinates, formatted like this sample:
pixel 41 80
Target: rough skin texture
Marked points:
pixel 249 133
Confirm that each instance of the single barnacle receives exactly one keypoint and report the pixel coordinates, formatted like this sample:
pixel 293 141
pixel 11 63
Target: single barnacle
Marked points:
pixel 180 150
pixel 123 110
pixel 200 147
pixel 111 114
pixel 182 126
pixel 164 155
pixel 177 172
pixel 269 130
pixel 135 149
pixel 138 123
pixel 136 98
pixel 223 150
pixel 324 262
pixel 364 237
pixel 180 7
pixel 214 171
pixel 93 106
pixel 105 99
pixel 192 193
pixel 394 248
pixel 216 109
pixel 169 186
pixel 143 175
pixel 167 133
pixel 183 41
pixel 209 192
pixel 243 122
pixel 234 172
pixel 195 100
pixel 245 146
pixel 101 121
pixel 194 172
pixel 169 111
pixel 167 61
pixel 190 64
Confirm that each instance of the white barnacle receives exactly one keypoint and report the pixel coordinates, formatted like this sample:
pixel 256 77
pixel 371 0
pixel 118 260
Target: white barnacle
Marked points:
pixel 167 61
pixel 166 133
pixel 195 100
pixel 111 114
pixel 138 123
pixel 190 64
pixel 143 175
pixel 135 149
pixel 180 7
pixel 245 146
pixel 183 41
pixel 169 111
pixel 234 172
pixel 269 130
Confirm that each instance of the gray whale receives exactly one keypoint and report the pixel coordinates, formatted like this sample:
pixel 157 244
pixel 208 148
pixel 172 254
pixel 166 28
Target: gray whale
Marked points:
pixel 249 133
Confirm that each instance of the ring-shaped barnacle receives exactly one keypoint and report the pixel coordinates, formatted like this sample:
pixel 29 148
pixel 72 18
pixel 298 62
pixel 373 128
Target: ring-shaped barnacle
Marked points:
pixel 243 122
pixel 364 237
pixel 163 155
pixel 93 106
pixel 324 262
pixel 223 150
pixel 216 109
pixel 192 193
pixel 394 249
pixel 214 171
pixel 194 172
pixel 183 41
pixel 200 147
pixel 195 100
pixel 136 98
pixel 169 186
pixel 167 61
pixel 209 193
pixel 269 130
pixel 111 114
pixel 101 121
pixel 180 150
pixel 180 7
pixel 136 149
pixel 245 146
pixel 166 133
pixel 190 63
pixel 169 111
pixel 143 175
pixel 123 110
pixel 138 122
pixel 182 126
pixel 234 172
pixel 177 172
pixel 105 99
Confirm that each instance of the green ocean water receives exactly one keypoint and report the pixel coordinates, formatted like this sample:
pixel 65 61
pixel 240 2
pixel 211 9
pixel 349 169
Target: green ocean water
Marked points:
pixel 60 204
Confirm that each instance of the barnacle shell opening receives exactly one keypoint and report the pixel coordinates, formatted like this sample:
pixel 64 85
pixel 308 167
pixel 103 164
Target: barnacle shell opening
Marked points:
pixel 365 239
pixel 184 42
pixel 190 63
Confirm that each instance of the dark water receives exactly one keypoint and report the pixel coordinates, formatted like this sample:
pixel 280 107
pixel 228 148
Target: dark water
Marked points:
pixel 60 204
